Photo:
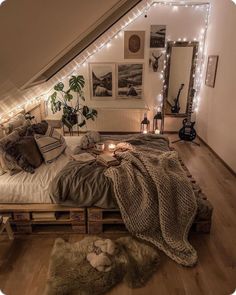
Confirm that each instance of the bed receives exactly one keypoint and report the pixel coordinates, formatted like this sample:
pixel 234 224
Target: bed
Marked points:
pixel 27 200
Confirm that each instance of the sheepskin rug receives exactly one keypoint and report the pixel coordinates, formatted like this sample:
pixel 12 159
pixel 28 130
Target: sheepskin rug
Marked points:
pixel 94 265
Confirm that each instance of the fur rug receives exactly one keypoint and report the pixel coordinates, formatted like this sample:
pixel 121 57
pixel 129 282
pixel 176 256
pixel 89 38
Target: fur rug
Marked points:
pixel 72 270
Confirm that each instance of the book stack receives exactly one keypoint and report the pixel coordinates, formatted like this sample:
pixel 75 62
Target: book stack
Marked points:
pixel 43 216
pixel 107 160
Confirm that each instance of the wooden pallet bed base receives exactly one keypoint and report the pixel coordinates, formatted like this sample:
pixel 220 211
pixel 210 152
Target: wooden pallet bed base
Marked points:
pixel 45 218
pixel 90 220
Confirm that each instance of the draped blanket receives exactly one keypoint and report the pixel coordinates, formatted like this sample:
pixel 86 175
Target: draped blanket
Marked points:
pixel 156 200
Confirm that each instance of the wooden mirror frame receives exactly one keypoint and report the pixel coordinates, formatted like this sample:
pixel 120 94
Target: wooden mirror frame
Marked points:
pixel 170 45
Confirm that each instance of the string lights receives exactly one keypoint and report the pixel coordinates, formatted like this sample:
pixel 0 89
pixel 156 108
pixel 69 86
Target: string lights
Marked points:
pixel 105 41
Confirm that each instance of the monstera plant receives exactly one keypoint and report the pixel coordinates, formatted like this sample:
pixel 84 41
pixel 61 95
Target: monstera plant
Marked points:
pixel 61 99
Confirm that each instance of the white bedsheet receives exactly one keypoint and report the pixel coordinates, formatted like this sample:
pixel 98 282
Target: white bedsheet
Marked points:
pixel 33 188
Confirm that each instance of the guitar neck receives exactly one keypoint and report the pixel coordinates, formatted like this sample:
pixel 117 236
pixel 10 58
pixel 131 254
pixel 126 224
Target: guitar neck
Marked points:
pixel 190 107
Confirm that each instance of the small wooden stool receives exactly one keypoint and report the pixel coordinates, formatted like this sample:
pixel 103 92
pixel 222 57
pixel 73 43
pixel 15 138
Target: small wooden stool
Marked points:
pixel 5 225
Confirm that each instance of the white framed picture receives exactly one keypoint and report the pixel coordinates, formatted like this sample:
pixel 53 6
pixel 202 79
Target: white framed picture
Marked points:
pixel 156 60
pixel 134 42
pixel 157 36
pixel 130 80
pixel 102 81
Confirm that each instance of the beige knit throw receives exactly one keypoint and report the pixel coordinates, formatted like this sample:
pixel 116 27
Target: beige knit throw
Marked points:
pixel 156 201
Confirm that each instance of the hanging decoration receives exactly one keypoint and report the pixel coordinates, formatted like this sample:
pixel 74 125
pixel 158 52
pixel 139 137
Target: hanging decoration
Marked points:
pixel 116 33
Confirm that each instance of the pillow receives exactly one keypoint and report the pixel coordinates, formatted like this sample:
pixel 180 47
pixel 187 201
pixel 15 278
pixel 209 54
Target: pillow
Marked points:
pixel 7 163
pixel 89 139
pixel 51 145
pixel 16 122
pixel 25 152
pixel 40 128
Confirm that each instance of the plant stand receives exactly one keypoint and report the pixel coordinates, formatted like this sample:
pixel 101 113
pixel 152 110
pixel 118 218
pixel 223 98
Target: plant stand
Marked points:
pixel 70 130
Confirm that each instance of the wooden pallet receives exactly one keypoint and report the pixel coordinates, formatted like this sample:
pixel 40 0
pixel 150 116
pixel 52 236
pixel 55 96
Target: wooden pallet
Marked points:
pixel 104 221
pixel 63 219
pixel 110 221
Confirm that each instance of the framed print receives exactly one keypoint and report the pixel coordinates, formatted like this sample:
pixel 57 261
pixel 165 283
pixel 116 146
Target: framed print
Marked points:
pixel 211 70
pixel 130 80
pixel 157 36
pixel 134 44
pixel 156 60
pixel 102 81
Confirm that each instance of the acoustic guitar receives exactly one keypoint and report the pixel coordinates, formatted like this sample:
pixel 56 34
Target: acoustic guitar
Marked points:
pixel 176 107
pixel 187 132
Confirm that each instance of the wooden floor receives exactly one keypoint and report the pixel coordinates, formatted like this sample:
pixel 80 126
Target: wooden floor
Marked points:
pixel 24 262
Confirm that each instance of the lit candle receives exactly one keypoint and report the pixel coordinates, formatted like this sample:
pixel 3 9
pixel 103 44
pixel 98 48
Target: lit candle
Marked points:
pixel 157 131
pixel 111 147
pixel 145 132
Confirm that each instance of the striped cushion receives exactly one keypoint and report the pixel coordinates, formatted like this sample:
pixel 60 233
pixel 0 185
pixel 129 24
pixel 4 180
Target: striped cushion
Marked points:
pixel 51 145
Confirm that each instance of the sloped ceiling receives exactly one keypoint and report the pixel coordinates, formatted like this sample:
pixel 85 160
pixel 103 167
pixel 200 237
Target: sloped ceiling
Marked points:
pixel 35 33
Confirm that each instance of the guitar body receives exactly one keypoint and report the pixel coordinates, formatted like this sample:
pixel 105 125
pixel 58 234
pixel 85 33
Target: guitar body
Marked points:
pixel 176 108
pixel 187 132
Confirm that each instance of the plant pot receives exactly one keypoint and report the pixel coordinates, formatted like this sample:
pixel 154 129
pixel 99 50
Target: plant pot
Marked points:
pixel 70 120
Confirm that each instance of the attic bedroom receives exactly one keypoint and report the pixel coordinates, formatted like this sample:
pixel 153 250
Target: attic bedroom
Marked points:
pixel 117 149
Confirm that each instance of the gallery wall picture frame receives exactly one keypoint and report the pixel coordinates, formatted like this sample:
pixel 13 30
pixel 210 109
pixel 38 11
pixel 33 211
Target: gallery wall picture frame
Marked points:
pixel 156 60
pixel 134 43
pixel 211 72
pixel 130 78
pixel 102 81
pixel 157 36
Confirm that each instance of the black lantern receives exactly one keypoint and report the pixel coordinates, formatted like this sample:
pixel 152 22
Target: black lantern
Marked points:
pixel 157 122
pixel 145 125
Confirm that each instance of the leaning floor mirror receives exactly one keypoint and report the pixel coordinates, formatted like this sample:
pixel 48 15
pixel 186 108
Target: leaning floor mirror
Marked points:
pixel 179 76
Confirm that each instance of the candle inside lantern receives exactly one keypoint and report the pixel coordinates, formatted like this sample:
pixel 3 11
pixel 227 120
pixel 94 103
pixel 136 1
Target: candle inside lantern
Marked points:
pixel 145 132
pixel 157 131
pixel 111 147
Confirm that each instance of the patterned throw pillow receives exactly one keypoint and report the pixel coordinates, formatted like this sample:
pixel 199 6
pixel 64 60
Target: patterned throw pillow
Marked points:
pixel 51 145
pixel 25 152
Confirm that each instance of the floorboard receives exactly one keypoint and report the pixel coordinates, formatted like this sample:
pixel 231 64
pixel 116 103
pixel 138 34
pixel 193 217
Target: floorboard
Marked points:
pixel 24 261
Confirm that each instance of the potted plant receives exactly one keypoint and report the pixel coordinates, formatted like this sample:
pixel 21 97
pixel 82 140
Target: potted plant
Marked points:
pixel 60 100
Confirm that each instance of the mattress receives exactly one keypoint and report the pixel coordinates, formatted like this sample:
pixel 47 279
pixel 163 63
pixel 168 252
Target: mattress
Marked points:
pixel 34 188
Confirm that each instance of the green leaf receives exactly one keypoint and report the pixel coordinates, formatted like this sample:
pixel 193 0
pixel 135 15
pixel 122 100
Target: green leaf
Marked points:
pixel 68 97
pixel 94 112
pixel 85 111
pixel 77 83
pixel 59 86
pixel 82 123
pixel 52 100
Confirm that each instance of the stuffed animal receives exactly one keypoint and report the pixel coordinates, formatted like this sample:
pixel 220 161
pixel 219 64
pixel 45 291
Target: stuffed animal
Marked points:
pixel 100 262
pixel 106 246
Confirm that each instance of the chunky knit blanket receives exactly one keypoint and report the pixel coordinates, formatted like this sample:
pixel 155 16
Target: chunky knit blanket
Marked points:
pixel 156 200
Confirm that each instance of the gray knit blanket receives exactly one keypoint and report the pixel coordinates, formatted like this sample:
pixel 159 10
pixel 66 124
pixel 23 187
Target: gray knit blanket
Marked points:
pixel 156 200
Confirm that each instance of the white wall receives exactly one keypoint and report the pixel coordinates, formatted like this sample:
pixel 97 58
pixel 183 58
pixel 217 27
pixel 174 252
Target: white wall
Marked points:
pixel 216 119
pixel 126 115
